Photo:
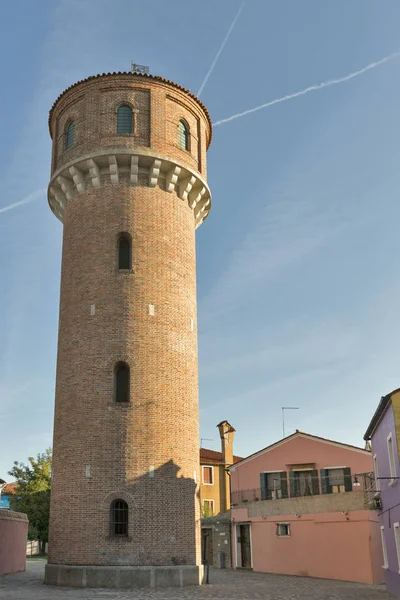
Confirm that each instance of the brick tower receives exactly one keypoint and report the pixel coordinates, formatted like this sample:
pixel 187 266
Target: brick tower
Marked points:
pixel 128 182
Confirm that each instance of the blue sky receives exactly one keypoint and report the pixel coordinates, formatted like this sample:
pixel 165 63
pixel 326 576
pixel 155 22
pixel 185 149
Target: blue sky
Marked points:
pixel 298 262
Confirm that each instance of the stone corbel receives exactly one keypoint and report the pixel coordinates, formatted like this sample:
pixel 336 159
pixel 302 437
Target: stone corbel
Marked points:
pixel 154 172
pixel 114 173
pixel 134 170
pixel 195 196
pixel 94 173
pixel 185 187
pixel 66 186
pixel 60 199
pixel 172 178
pixel 79 179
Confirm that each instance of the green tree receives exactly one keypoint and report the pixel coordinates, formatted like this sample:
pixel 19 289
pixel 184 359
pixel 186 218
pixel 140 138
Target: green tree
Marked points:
pixel 32 495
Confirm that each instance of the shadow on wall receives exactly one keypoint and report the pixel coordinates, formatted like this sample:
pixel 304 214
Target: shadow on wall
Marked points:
pixel 162 519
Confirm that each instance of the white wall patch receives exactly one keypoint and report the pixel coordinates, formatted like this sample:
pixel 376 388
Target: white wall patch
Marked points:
pixel 92 309
pixel 151 310
pixel 151 472
pixel 87 471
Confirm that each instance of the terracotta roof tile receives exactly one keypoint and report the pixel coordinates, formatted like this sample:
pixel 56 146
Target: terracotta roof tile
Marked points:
pixel 9 488
pixel 212 457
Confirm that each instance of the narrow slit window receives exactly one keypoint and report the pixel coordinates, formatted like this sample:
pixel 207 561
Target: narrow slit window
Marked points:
pixel 124 119
pixel 119 518
pixel 69 135
pixel 183 135
pixel 124 252
pixel 122 383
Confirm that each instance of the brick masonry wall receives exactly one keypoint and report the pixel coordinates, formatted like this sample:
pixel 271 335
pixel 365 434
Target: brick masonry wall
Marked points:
pixel 104 450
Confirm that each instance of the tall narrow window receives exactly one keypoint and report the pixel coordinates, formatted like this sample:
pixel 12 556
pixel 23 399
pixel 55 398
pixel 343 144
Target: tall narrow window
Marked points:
pixel 124 251
pixel 183 135
pixel 69 135
pixel 122 383
pixel 119 518
pixel 376 471
pixel 392 460
pixel 384 549
pixel 124 119
pixel 397 540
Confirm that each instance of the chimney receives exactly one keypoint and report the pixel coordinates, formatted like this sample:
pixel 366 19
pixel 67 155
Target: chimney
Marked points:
pixel 226 432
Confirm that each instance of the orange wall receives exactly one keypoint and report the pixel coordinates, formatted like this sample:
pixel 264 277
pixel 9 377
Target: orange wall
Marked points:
pixel 216 491
pixel 321 545
pixel 298 450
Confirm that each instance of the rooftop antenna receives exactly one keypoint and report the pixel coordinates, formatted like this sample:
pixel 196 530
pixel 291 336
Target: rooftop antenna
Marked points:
pixel 139 69
pixel 206 440
pixel 283 415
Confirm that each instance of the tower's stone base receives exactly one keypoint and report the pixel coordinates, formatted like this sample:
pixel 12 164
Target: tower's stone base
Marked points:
pixel 89 576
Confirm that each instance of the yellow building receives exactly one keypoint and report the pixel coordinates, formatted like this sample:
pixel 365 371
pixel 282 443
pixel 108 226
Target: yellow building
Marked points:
pixel 215 482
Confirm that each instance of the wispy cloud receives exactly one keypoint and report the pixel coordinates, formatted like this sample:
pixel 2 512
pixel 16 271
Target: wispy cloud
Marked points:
pixel 30 198
pixel 289 228
pixel 226 38
pixel 312 88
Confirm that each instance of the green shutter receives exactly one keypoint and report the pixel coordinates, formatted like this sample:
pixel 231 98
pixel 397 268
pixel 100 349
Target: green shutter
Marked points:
pixel 314 482
pixel 348 485
pixel 291 483
pixel 325 487
pixel 263 486
pixel 284 486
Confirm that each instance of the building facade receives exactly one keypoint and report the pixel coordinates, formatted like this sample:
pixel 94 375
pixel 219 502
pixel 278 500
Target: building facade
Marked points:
pixel 6 492
pixel 128 182
pixel 300 507
pixel 215 499
pixel 384 434
pixel 215 476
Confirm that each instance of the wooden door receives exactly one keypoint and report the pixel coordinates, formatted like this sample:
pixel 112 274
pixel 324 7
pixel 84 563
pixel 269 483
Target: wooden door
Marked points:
pixel 245 546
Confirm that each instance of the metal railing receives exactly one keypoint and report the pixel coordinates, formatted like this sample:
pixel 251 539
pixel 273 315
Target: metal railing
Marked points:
pixel 308 485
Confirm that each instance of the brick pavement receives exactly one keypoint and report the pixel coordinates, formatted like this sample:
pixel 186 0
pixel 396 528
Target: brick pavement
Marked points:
pixel 225 585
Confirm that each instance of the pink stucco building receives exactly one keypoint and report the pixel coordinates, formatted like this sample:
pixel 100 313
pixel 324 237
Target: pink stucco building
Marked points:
pixel 300 507
pixel 13 535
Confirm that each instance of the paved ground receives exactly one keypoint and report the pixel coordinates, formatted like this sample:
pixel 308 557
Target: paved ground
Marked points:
pixel 224 585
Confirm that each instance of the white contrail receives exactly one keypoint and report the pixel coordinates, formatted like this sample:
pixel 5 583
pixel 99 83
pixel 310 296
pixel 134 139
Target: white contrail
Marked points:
pixel 220 50
pixel 313 88
pixel 26 200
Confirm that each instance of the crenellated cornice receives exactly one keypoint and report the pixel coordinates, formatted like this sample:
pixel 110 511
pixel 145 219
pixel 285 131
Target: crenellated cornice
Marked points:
pixel 122 166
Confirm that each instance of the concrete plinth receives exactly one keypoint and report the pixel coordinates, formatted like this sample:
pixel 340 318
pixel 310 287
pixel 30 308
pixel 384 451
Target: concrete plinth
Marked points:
pixel 82 576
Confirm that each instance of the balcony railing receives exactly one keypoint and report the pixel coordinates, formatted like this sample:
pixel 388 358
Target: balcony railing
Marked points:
pixel 308 486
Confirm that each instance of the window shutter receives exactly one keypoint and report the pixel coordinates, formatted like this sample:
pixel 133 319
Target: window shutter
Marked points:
pixel 263 486
pixel 284 486
pixel 348 486
pixel 325 487
pixel 314 482
pixel 291 483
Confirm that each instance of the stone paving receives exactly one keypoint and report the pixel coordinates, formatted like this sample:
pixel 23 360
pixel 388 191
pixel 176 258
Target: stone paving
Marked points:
pixel 224 585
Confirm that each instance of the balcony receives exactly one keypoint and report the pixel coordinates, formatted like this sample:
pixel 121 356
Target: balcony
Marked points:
pixel 359 492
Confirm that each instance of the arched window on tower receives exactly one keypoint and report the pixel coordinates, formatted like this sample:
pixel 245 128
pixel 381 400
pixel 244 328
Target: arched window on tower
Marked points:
pixel 183 135
pixel 119 518
pixel 124 119
pixel 69 135
pixel 122 382
pixel 124 251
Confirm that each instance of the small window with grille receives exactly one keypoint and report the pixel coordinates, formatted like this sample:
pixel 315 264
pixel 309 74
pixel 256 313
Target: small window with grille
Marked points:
pixel 119 518
pixel 69 135
pixel 124 119
pixel 283 529
pixel 183 135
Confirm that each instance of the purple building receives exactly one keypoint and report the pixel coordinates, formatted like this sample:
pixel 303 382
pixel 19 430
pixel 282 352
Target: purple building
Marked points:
pixel 384 433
